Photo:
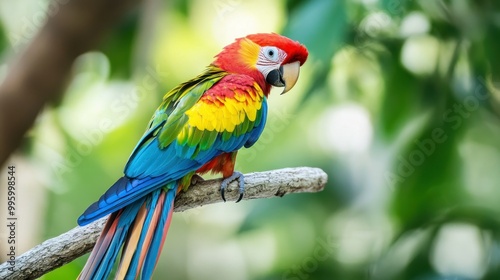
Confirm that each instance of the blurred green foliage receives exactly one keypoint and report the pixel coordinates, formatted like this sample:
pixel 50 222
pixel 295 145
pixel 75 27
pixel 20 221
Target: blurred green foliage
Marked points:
pixel 399 103
pixel 3 39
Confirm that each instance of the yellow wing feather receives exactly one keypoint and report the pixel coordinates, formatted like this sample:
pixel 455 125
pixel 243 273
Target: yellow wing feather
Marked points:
pixel 225 113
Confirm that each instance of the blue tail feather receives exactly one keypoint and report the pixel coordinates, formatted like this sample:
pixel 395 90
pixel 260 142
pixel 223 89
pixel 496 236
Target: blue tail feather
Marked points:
pixel 132 271
pixel 155 247
pixel 100 264
pixel 104 264
pixel 123 192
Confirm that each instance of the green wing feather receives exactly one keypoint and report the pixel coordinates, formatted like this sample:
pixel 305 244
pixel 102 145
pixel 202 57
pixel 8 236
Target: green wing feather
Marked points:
pixel 170 118
pixel 180 99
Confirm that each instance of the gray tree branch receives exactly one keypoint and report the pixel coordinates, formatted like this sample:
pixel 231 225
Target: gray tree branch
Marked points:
pixel 68 246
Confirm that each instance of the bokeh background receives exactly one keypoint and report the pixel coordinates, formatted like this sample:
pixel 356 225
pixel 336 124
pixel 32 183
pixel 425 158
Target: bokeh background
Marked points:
pixel 399 103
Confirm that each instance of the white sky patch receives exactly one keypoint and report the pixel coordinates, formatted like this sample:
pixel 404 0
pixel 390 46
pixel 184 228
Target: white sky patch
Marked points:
pixel 376 23
pixel 260 250
pixel 226 20
pixel 345 128
pixel 414 24
pixel 420 54
pixel 459 251
pixel 216 261
pixel 99 110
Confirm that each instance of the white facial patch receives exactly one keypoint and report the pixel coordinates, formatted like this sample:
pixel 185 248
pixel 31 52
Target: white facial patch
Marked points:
pixel 270 58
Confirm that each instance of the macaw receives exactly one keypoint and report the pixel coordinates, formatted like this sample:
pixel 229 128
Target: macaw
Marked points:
pixel 198 128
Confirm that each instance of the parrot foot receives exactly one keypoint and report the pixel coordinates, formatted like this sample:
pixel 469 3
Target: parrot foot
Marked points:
pixel 241 181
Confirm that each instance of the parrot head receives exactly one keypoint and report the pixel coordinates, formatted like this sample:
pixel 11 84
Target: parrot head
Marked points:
pixel 270 59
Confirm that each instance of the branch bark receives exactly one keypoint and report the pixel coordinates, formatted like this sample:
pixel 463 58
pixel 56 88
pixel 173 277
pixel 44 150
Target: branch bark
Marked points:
pixel 40 74
pixel 68 246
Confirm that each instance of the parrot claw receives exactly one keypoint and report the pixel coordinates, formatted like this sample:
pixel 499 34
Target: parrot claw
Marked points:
pixel 241 181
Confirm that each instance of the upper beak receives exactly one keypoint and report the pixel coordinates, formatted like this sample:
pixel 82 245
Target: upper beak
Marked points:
pixel 286 76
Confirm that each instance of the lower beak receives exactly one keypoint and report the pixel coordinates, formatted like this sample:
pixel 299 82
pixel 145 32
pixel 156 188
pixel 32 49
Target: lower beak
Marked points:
pixel 286 76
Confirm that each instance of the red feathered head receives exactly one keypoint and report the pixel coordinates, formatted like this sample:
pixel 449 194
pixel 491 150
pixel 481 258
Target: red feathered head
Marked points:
pixel 271 59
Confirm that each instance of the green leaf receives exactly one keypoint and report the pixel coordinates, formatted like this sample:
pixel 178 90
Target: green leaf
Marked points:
pixel 3 39
pixel 426 172
pixel 320 25
pixel 119 46
pixel 396 8
pixel 401 98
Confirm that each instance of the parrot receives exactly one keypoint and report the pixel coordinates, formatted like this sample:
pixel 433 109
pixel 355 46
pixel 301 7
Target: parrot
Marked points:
pixel 198 128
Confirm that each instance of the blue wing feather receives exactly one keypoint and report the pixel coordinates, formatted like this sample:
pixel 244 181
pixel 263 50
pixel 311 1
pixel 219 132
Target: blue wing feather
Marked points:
pixel 152 165
pixel 257 131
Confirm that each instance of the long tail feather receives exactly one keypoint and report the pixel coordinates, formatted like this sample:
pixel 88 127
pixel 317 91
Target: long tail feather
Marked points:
pixel 150 232
pixel 100 247
pixel 139 231
pixel 159 236
pixel 132 241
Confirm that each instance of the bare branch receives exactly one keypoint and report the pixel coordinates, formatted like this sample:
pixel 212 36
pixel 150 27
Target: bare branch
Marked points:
pixel 68 246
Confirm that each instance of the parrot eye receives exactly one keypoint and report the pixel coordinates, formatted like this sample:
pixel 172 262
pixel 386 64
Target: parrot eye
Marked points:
pixel 271 53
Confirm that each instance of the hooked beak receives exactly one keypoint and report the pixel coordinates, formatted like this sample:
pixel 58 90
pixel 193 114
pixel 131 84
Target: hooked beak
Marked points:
pixel 286 76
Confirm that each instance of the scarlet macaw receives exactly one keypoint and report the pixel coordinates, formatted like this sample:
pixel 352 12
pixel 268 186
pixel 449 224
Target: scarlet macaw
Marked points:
pixel 198 128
